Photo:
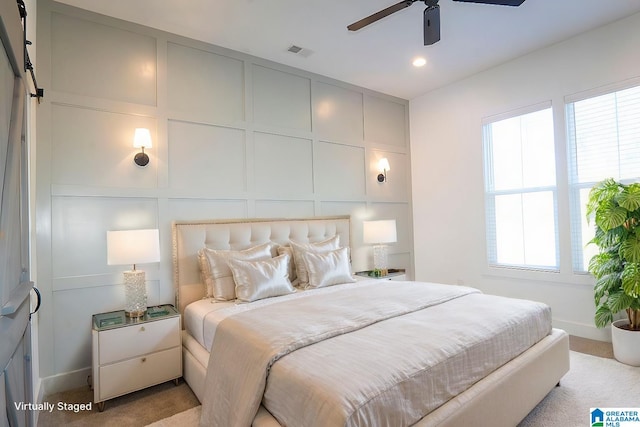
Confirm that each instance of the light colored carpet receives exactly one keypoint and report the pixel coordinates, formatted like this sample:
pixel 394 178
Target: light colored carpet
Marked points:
pixel 591 382
pixel 190 417
pixel 131 410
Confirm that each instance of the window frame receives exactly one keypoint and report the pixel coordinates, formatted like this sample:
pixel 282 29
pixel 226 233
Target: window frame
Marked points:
pixel 490 193
pixel 574 186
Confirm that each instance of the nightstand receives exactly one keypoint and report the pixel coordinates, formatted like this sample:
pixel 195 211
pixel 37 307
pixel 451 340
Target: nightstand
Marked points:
pixel 394 274
pixel 129 354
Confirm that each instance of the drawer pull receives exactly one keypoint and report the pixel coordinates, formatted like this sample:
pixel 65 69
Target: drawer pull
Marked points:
pixel 144 359
pixel 142 329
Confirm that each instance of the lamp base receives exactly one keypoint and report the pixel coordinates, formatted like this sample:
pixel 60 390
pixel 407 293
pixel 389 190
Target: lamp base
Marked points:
pixel 135 290
pixel 380 259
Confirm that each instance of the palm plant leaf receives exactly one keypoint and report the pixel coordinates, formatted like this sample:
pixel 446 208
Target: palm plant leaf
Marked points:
pixel 603 317
pixel 606 285
pixel 631 279
pixel 618 301
pixel 610 216
pixel 630 249
pixel 604 190
pixel 629 198
pixel 605 263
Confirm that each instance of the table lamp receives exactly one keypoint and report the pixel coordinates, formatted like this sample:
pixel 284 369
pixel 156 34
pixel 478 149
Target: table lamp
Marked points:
pixel 379 233
pixel 133 247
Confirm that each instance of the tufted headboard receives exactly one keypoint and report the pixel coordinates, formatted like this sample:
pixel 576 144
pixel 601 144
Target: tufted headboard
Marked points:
pixel 191 236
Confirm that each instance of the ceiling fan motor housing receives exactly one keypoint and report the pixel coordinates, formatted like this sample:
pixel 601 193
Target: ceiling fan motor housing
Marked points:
pixel 431 25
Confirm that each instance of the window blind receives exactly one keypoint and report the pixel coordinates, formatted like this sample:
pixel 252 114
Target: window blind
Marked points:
pixel 604 142
pixel 520 191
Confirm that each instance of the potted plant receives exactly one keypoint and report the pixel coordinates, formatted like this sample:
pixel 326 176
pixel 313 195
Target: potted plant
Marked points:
pixel 616 210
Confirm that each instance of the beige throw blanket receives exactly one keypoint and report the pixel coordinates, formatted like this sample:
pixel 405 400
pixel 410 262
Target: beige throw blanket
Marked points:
pixel 247 345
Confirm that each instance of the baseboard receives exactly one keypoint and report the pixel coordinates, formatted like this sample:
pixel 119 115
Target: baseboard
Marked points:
pixel 583 330
pixel 65 381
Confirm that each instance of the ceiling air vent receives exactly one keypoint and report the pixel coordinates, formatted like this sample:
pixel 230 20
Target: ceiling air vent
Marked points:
pixel 300 51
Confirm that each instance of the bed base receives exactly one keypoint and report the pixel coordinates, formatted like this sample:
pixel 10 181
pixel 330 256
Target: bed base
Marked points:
pixel 503 398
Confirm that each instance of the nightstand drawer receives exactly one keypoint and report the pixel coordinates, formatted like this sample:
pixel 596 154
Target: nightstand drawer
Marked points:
pixel 140 372
pixel 136 340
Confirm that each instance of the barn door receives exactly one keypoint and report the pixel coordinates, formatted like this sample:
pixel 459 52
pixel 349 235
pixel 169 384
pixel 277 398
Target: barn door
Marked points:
pixel 15 284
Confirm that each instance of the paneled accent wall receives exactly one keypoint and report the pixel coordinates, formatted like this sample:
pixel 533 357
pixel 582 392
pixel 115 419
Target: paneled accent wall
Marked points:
pixel 234 136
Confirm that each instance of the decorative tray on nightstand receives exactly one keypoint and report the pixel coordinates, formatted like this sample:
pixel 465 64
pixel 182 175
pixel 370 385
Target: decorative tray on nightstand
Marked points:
pixel 117 319
pixel 392 272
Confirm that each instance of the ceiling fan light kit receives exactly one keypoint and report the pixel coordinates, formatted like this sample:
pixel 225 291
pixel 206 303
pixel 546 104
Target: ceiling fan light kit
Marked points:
pixel 431 22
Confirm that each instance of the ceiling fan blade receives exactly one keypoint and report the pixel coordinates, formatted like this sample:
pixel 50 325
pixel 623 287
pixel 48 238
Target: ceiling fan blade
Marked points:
pixel 379 15
pixel 431 25
pixel 498 2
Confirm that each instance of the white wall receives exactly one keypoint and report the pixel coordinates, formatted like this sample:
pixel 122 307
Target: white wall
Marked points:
pixel 233 137
pixel 447 170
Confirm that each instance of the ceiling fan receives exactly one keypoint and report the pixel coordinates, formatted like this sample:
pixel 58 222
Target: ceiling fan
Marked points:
pixel 431 16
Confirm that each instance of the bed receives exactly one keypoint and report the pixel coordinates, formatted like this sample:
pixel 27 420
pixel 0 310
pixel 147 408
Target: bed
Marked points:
pixel 282 360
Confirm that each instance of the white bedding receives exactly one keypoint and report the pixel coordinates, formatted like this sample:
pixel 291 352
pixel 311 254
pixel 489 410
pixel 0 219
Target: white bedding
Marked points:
pixel 200 320
pixel 406 348
pixel 203 316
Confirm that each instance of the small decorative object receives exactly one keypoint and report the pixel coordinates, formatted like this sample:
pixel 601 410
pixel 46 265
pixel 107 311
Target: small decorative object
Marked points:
pixel 133 247
pixel 616 267
pixel 378 233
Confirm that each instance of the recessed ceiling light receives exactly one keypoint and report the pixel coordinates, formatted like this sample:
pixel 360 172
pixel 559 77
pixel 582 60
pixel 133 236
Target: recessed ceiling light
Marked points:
pixel 419 62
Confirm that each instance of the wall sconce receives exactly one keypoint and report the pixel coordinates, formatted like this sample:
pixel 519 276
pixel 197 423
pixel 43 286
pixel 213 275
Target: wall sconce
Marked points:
pixel 142 139
pixel 383 165
pixel 378 233
pixel 133 247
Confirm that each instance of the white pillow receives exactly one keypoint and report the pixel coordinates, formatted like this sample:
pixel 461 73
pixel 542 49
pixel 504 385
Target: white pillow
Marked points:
pixel 287 250
pixel 328 268
pixel 261 279
pixel 300 248
pixel 217 276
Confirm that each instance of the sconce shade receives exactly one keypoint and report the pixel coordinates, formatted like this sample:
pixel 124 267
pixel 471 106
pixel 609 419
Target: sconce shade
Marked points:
pixel 383 167
pixel 142 138
pixel 133 247
pixel 382 231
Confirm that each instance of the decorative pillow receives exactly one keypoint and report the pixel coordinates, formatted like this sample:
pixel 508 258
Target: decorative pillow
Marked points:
pixel 287 250
pixel 300 248
pixel 217 277
pixel 328 268
pixel 261 279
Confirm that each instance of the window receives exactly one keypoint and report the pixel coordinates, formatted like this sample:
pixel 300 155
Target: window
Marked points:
pixel 520 191
pixel 604 142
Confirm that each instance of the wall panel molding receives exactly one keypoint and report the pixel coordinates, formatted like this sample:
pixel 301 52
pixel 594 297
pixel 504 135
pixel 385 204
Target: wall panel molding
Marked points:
pixel 234 136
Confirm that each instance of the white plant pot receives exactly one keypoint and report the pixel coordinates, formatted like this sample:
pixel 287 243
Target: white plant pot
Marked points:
pixel 626 344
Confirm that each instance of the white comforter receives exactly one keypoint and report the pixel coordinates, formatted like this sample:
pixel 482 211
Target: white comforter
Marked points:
pixel 376 353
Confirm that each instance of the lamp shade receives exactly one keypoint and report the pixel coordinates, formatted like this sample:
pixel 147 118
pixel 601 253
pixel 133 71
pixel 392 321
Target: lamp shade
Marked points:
pixel 382 231
pixel 133 247
pixel 383 164
pixel 142 138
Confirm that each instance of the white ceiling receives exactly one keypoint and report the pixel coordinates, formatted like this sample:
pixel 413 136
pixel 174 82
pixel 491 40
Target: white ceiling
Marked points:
pixel 474 37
